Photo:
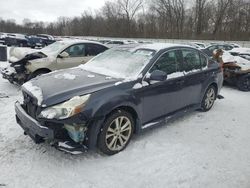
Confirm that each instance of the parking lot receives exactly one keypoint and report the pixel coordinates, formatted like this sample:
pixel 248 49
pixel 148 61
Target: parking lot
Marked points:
pixel 199 150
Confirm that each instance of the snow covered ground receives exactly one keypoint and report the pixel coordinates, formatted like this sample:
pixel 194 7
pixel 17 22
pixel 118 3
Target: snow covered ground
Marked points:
pixel 199 150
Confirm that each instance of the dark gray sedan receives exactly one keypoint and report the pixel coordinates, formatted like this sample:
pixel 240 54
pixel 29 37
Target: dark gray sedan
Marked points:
pixel 119 93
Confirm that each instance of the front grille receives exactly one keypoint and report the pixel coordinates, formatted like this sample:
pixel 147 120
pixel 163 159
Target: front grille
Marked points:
pixel 29 105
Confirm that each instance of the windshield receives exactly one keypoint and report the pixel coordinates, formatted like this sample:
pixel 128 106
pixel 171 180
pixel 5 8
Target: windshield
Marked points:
pixel 55 47
pixel 119 63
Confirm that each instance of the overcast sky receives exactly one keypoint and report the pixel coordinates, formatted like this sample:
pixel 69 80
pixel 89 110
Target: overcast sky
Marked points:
pixel 45 10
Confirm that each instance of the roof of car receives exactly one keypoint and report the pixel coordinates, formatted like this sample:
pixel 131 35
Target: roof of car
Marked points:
pixel 153 46
pixel 75 41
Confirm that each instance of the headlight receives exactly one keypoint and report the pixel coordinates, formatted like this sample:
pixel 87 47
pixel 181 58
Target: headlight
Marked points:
pixel 65 110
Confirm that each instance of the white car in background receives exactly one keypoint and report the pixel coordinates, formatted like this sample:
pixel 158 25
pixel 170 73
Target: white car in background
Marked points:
pixel 241 52
pixel 59 55
pixel 200 45
pixel 114 43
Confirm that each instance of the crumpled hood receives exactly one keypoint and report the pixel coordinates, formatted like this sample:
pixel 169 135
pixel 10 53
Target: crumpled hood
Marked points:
pixel 16 53
pixel 59 86
pixel 243 63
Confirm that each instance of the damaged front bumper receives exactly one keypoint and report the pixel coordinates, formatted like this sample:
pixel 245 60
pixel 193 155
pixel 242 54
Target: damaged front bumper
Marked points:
pixel 32 127
pixel 7 74
pixel 40 133
pixel 12 76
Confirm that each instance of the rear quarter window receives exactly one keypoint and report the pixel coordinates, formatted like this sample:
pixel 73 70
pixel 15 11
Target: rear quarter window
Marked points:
pixel 94 49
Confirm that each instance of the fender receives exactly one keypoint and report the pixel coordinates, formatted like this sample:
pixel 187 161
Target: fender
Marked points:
pixel 107 105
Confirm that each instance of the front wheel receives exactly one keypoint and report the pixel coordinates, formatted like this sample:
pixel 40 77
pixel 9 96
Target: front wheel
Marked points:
pixel 116 132
pixel 208 99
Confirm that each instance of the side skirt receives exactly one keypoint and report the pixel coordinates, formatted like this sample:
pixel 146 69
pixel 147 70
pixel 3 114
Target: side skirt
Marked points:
pixel 170 117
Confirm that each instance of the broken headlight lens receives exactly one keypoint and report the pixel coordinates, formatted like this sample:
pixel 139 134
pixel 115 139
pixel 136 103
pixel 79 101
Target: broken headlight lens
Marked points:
pixel 67 109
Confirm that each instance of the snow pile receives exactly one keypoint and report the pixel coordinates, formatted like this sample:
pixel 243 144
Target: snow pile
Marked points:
pixel 66 76
pixel 35 91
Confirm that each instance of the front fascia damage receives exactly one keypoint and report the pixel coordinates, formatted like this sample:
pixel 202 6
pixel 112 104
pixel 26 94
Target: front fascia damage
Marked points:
pixel 237 75
pixel 69 134
pixel 17 72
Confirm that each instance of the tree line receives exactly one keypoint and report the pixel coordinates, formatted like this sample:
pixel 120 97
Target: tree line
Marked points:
pixel 172 19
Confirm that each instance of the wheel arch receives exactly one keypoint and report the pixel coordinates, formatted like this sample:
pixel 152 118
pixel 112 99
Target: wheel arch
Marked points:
pixel 214 84
pixel 131 111
pixel 33 74
pixel 41 70
pixel 94 131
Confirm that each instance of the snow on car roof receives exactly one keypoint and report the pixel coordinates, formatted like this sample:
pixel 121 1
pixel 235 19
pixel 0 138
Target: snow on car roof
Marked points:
pixel 75 41
pixel 240 50
pixel 153 46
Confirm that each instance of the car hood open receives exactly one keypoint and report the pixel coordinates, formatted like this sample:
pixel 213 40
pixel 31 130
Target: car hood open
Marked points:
pixel 59 86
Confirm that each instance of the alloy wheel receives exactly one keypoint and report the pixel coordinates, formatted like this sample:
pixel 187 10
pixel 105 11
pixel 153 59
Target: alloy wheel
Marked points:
pixel 210 98
pixel 118 133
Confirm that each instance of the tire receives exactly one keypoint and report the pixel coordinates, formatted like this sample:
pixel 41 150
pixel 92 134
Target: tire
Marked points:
pixel 208 99
pixel 37 73
pixel 243 83
pixel 116 132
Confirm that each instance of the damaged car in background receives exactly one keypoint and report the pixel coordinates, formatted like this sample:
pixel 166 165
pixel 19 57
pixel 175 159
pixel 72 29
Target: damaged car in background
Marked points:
pixel 59 55
pixel 236 71
pixel 102 103
pixel 241 52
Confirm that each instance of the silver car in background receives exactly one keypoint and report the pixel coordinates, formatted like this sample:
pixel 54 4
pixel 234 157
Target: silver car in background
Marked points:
pixel 59 55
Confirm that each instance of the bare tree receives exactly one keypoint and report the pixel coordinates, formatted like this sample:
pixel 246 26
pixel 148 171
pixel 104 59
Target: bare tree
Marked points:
pixel 200 6
pixel 221 7
pixel 199 19
pixel 129 9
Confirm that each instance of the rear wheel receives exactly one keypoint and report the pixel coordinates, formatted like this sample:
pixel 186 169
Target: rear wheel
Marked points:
pixel 116 132
pixel 243 83
pixel 208 99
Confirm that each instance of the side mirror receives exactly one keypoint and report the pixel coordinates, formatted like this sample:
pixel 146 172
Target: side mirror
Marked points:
pixel 158 75
pixel 63 55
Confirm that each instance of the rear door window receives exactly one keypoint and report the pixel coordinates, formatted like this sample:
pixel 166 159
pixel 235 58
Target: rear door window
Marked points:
pixel 94 49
